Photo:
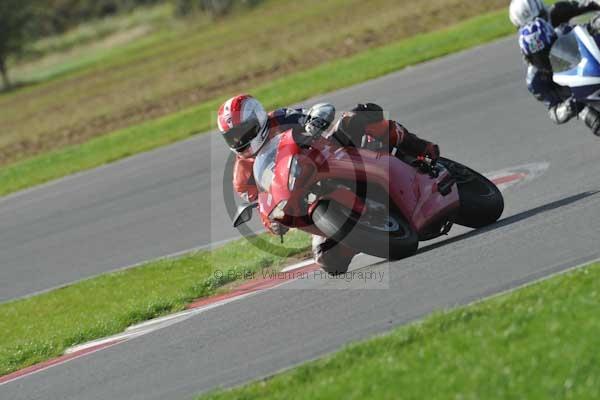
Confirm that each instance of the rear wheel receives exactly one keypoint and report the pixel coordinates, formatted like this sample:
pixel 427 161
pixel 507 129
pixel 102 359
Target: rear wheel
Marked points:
pixel 379 232
pixel 481 202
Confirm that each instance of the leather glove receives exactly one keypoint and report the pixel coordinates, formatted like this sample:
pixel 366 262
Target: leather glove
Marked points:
pixel 278 229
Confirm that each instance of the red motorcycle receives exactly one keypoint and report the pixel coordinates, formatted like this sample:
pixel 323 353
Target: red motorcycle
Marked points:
pixel 374 202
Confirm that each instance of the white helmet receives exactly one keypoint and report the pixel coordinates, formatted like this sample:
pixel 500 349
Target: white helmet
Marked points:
pixel 523 11
pixel 243 123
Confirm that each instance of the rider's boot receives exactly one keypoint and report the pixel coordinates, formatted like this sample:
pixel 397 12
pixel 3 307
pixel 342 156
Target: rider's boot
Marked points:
pixel 591 117
pixel 333 257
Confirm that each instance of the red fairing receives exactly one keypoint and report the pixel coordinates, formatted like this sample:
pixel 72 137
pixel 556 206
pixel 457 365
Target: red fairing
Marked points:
pixel 348 199
pixel 279 190
pixel 414 194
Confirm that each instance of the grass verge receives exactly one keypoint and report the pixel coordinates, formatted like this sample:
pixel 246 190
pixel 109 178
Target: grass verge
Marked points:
pixel 287 90
pixel 43 326
pixel 540 342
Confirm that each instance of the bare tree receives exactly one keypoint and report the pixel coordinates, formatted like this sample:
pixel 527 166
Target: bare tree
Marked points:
pixel 14 18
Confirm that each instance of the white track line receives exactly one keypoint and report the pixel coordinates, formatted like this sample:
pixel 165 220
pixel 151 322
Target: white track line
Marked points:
pixel 163 322
pixel 299 265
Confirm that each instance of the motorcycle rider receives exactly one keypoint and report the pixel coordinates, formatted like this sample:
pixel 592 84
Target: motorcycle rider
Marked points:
pixel 535 22
pixel 522 12
pixel 246 127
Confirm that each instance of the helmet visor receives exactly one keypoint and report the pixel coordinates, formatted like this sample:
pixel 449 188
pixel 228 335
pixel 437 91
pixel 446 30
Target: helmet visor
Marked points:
pixel 240 137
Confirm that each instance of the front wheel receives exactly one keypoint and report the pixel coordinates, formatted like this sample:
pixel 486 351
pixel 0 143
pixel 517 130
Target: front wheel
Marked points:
pixel 380 233
pixel 481 202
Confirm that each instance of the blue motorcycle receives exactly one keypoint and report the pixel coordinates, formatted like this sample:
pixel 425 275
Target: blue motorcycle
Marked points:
pixel 575 59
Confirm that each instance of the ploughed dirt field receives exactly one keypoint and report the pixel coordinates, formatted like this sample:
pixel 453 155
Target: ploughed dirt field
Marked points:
pixel 172 68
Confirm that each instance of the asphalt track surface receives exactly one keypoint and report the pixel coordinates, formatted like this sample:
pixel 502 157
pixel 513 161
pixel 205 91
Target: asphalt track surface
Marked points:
pixel 473 103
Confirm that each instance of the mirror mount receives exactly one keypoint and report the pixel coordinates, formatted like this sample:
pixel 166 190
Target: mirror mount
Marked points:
pixel 244 213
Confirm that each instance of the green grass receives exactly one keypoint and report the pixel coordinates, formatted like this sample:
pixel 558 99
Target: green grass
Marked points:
pixel 286 90
pixel 540 342
pixel 43 326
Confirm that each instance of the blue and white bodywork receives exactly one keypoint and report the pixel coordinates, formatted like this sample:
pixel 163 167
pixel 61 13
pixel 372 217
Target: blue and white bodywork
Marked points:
pixel 575 59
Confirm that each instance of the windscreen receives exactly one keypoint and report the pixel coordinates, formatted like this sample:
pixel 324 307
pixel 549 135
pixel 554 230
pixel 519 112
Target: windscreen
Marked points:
pixel 264 164
pixel 565 54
